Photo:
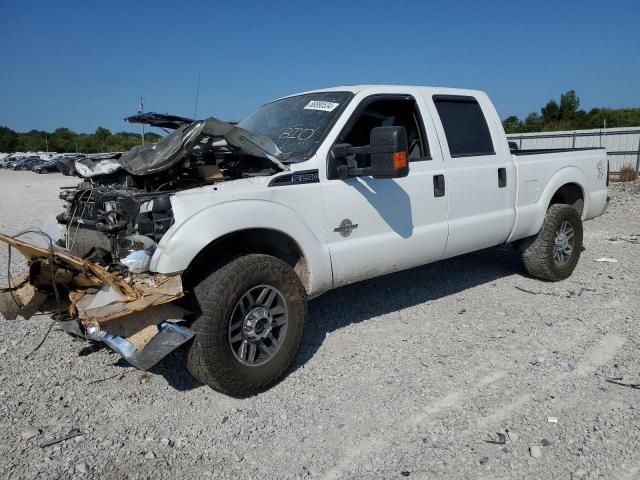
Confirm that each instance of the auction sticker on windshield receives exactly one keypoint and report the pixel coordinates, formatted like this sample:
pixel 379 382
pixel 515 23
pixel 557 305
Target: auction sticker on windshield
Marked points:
pixel 321 105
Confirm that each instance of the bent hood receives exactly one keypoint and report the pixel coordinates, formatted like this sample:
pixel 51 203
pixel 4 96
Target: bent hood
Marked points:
pixel 153 158
pixel 160 120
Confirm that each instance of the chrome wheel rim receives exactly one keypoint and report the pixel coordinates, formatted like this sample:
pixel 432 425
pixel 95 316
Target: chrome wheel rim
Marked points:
pixel 563 244
pixel 258 325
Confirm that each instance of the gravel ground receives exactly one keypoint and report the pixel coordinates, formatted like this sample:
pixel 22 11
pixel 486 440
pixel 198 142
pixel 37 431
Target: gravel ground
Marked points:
pixel 409 375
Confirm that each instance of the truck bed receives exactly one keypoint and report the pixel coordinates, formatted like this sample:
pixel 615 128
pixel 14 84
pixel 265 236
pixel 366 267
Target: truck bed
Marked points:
pixel 541 172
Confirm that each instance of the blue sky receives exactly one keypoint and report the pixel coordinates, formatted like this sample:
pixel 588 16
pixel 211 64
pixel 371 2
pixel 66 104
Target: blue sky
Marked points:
pixel 84 64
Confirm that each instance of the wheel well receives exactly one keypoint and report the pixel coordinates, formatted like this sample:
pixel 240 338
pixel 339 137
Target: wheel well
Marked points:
pixel 255 240
pixel 571 194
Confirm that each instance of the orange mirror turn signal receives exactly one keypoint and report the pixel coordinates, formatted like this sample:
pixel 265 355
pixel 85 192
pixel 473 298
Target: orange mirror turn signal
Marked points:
pixel 399 160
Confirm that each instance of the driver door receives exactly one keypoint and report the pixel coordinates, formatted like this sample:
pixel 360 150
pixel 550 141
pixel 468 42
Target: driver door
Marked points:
pixel 377 226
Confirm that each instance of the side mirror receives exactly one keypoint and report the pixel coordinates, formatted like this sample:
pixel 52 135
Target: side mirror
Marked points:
pixel 387 149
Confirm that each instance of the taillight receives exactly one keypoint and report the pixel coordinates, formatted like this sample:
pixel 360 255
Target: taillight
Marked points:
pixel 608 173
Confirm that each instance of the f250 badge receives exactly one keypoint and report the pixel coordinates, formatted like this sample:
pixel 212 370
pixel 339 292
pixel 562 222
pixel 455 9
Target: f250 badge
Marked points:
pixel 346 227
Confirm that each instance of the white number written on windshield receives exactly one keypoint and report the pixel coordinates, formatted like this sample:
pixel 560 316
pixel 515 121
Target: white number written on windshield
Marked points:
pixel 298 133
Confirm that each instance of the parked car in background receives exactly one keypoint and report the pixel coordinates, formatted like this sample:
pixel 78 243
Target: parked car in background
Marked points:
pixel 9 161
pixel 4 161
pixel 35 163
pixel 47 166
pixel 29 164
pixel 23 162
pixel 41 162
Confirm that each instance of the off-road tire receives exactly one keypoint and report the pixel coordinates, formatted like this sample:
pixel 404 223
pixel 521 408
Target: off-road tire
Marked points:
pixel 210 358
pixel 538 251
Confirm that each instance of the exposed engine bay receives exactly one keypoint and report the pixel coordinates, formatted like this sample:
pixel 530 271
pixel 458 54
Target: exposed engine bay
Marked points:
pixel 121 210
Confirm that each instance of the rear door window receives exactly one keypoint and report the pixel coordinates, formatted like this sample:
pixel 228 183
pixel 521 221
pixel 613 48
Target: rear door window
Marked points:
pixel 464 125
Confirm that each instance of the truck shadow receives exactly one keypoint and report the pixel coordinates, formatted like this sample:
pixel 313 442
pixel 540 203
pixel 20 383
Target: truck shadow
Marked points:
pixel 389 200
pixel 371 298
pixel 364 300
pixel 173 368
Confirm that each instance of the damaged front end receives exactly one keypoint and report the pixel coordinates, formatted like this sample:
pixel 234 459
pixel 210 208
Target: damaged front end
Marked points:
pixel 95 279
pixel 123 208
pixel 132 314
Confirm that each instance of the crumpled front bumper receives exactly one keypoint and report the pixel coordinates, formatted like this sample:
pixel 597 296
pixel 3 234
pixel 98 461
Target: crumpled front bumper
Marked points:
pixel 169 337
pixel 131 313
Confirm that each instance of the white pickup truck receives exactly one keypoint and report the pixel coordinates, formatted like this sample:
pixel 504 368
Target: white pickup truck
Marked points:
pixel 239 225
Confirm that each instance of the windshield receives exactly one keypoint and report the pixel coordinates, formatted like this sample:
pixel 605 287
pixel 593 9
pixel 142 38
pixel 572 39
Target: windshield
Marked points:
pixel 298 124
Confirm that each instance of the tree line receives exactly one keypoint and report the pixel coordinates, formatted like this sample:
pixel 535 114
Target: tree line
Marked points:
pixel 563 115
pixel 567 115
pixel 63 140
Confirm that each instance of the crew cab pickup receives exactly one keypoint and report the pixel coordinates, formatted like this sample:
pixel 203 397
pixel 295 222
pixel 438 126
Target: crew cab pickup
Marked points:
pixel 216 236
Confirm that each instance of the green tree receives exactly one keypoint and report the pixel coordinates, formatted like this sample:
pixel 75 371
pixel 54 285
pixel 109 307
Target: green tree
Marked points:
pixel 9 140
pixel 533 123
pixel 102 138
pixel 569 104
pixel 550 112
pixel 62 140
pixel 66 140
pixel 33 141
pixel 512 124
pixel 567 115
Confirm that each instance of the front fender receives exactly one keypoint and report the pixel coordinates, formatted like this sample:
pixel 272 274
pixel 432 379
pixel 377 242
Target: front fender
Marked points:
pixel 184 240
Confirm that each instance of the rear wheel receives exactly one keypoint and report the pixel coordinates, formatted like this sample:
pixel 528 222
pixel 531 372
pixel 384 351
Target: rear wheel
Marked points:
pixel 554 253
pixel 248 331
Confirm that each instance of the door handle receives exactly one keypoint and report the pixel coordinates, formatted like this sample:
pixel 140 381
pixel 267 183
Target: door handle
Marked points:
pixel 502 177
pixel 438 185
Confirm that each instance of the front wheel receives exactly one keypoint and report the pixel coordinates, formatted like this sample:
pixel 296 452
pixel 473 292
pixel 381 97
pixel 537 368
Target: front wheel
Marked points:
pixel 554 253
pixel 248 331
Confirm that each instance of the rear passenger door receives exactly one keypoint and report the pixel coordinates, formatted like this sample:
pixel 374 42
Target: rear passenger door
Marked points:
pixel 477 176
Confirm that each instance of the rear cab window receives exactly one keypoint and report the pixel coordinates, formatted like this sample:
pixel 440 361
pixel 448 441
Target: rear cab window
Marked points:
pixel 465 126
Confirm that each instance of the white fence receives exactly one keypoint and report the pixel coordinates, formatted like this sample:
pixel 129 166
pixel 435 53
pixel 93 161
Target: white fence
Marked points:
pixel 622 144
